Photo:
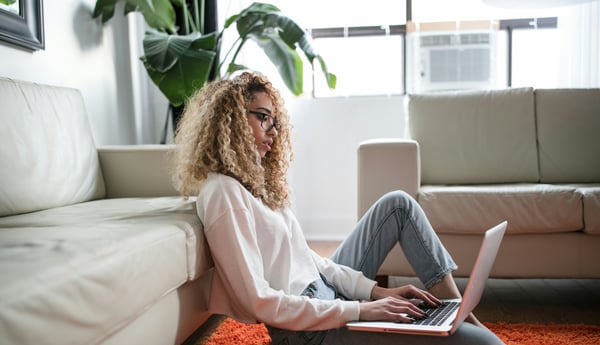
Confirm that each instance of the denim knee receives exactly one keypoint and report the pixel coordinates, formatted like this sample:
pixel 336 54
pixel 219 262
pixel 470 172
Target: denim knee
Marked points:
pixel 397 199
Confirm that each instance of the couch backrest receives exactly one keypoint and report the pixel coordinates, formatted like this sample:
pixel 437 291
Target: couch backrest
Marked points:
pixel 470 137
pixel 568 122
pixel 47 151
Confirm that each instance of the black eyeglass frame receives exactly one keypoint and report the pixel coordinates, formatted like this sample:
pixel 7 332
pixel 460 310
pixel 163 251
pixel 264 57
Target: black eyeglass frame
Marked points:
pixel 262 117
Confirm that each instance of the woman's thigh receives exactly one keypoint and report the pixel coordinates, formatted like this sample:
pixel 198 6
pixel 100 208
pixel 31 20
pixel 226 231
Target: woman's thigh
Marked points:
pixel 466 334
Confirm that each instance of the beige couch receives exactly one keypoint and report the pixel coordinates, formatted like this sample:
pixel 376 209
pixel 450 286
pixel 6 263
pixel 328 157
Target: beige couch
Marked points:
pixel 473 159
pixel 95 245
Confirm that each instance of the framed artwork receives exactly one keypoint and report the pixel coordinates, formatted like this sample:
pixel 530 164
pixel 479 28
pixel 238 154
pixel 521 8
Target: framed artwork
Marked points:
pixel 22 23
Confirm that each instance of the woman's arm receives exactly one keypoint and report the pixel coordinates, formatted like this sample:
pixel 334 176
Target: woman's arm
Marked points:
pixel 349 282
pixel 395 304
pixel 238 262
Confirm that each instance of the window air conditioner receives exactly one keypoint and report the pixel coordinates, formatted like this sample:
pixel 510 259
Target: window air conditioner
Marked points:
pixel 450 61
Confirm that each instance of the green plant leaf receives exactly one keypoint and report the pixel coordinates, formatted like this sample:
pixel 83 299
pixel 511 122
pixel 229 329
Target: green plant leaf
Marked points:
pixel 256 7
pixel 310 54
pixel 158 14
pixel 233 67
pixel 206 42
pixel 286 60
pixel 263 22
pixel 104 9
pixel 178 65
pixel 7 2
pixel 162 50
pixel 295 36
pixel 329 77
pixel 181 64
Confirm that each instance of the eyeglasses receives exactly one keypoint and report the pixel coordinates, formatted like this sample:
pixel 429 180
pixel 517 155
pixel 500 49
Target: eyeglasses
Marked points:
pixel 267 122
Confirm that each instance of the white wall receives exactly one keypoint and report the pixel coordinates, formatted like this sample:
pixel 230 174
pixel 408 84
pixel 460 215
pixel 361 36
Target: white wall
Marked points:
pixel 83 54
pixel 323 175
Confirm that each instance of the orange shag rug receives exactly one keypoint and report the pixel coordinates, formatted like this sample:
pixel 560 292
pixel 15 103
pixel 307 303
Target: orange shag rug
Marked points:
pixel 231 332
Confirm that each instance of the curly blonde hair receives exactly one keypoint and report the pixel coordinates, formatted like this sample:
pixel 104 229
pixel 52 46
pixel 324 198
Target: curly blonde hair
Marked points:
pixel 214 136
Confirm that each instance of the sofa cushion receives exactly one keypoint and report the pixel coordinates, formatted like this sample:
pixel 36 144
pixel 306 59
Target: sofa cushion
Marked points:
pixel 591 207
pixel 475 137
pixel 89 269
pixel 528 208
pixel 568 123
pixel 47 150
pixel 173 211
pixel 562 255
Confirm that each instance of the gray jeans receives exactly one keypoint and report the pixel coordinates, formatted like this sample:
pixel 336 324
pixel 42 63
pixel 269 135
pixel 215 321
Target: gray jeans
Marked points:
pixel 395 218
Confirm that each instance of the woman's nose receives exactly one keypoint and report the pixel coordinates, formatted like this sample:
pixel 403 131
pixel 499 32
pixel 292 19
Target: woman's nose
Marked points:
pixel 273 132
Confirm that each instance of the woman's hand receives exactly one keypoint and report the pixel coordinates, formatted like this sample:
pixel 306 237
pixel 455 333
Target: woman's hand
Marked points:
pixel 407 292
pixel 397 304
pixel 390 309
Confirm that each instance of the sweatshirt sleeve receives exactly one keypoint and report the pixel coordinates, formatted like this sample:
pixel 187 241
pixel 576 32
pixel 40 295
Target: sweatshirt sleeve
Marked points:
pixel 231 235
pixel 349 282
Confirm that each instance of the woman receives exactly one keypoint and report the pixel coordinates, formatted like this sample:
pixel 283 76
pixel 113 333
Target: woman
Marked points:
pixel 233 150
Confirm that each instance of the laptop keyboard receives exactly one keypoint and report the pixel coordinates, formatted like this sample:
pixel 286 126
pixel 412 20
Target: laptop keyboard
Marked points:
pixel 437 315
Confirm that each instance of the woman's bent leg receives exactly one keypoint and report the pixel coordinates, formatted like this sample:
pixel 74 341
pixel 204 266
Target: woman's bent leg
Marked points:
pixel 396 218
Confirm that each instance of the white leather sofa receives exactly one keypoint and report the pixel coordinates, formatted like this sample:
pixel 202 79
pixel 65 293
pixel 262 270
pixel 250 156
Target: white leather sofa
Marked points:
pixel 95 245
pixel 475 158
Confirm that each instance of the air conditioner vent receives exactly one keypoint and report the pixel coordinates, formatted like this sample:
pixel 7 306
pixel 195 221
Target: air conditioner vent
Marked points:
pixel 438 40
pixel 453 40
pixel 474 39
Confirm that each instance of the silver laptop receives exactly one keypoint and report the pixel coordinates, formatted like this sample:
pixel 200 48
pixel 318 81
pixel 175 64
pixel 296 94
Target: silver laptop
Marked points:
pixel 444 320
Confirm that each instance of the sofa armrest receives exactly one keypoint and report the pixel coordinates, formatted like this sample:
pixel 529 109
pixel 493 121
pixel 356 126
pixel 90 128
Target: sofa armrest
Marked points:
pixel 136 170
pixel 385 165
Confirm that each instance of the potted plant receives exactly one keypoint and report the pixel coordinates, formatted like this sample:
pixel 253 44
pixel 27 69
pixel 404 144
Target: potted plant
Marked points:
pixel 181 59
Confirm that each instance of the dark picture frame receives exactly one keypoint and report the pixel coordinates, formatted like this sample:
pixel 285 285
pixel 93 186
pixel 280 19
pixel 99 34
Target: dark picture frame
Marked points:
pixel 25 29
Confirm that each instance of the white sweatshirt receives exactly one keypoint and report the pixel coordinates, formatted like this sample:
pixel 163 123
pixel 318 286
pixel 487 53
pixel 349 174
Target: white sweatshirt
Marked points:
pixel 263 263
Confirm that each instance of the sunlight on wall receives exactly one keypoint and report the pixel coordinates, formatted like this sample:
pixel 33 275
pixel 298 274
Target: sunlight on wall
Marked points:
pixel 323 175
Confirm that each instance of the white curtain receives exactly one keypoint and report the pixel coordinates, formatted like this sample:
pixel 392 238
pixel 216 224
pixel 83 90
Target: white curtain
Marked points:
pixel 580 45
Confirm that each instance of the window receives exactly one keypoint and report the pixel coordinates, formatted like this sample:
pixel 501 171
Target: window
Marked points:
pixel 364 65
pixel 535 54
pixel 361 42
pixel 374 49
pixel 537 43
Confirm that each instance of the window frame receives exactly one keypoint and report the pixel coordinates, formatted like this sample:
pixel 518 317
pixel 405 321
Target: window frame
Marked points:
pixel 362 31
pixel 509 25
